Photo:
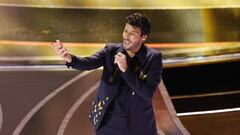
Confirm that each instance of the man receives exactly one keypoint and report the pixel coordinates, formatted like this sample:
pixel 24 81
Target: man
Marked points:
pixel 131 74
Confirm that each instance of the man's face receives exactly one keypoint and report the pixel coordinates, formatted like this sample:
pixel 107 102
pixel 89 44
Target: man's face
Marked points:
pixel 132 39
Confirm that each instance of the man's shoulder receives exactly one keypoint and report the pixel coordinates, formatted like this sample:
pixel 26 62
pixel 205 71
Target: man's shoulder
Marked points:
pixel 112 48
pixel 152 51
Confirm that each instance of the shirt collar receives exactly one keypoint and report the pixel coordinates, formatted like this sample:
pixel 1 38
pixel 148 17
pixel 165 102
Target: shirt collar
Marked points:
pixel 141 54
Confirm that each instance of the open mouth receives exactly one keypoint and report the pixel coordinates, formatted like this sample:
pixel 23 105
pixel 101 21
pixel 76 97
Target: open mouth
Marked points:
pixel 126 41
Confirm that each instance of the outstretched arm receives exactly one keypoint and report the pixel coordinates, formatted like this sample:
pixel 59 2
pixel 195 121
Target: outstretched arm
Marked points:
pixel 82 63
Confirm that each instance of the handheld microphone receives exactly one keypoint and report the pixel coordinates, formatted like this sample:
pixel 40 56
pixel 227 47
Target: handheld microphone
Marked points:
pixel 113 76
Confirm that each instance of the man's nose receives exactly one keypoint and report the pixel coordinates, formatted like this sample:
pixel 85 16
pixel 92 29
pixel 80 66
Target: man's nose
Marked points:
pixel 126 36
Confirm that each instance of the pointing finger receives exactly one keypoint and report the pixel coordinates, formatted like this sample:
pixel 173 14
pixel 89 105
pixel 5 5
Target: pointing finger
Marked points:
pixel 59 44
pixel 53 44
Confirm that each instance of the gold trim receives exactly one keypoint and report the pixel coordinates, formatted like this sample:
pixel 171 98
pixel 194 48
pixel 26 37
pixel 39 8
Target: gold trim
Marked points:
pixel 117 4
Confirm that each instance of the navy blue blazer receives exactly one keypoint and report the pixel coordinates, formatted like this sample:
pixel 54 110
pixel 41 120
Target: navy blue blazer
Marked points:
pixel 143 83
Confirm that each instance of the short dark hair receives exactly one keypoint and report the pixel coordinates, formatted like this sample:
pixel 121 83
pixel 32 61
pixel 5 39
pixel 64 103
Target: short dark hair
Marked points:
pixel 141 21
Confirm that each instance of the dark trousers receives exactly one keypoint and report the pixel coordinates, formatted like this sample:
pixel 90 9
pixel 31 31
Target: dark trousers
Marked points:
pixel 113 125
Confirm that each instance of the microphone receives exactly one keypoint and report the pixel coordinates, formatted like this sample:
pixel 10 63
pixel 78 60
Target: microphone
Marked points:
pixel 115 70
pixel 114 73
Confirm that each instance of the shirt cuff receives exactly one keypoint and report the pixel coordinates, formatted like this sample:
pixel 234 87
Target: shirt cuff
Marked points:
pixel 73 62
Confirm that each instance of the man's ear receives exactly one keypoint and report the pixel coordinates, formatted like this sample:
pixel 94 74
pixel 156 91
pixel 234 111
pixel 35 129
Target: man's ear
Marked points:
pixel 144 37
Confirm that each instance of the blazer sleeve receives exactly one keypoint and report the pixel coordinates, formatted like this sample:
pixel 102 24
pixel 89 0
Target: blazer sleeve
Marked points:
pixel 88 63
pixel 145 87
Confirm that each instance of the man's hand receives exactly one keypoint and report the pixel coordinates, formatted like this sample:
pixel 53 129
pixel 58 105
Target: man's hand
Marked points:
pixel 121 61
pixel 61 51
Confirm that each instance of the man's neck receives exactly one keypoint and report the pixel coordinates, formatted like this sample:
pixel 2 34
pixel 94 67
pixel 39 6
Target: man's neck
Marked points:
pixel 131 54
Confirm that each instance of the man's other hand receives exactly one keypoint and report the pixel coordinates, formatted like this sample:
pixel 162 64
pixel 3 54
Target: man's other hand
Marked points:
pixel 61 50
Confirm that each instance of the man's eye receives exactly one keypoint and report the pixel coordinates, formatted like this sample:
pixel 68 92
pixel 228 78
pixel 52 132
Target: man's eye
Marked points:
pixel 132 33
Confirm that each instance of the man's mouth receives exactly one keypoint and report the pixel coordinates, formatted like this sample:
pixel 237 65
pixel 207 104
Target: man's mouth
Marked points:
pixel 126 41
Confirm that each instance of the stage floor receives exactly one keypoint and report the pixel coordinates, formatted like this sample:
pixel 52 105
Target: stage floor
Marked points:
pixel 50 101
